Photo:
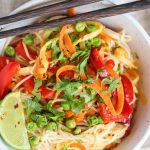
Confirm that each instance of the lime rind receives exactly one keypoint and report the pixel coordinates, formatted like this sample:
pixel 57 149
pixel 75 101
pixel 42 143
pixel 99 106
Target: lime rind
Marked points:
pixel 12 122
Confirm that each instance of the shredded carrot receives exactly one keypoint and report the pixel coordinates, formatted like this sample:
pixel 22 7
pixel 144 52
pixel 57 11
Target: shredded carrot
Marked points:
pixel 61 40
pixel 79 117
pixel 69 114
pixel 90 112
pixel 68 44
pixel 78 145
pixel 62 69
pixel 112 72
pixel 106 97
pixel 36 70
pixel 71 11
pixel 120 93
pixel 49 54
pixel 106 37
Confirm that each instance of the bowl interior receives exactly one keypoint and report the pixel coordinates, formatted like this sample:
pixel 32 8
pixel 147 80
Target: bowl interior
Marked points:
pixel 141 45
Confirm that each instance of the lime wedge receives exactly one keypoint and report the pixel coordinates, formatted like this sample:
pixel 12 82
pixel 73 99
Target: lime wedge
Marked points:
pixel 12 122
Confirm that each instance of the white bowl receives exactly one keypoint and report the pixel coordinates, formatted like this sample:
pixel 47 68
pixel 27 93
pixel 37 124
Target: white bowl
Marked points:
pixel 141 45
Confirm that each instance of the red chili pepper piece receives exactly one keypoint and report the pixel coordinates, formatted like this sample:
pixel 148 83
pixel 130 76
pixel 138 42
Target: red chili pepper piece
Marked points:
pixel 6 75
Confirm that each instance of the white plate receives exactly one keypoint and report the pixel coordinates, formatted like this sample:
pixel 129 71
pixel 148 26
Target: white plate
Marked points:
pixel 141 45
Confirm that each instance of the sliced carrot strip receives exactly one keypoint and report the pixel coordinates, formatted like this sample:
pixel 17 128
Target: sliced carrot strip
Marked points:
pixel 120 104
pixel 68 44
pixel 106 97
pixel 61 41
pixel 69 114
pixel 78 145
pixel 62 69
pixel 79 117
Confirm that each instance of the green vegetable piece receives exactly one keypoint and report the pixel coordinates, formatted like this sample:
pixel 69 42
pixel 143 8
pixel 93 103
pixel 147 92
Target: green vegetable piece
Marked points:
pixel 77 130
pixel 92 120
pixel 90 28
pixel 52 126
pixel 33 141
pixel 28 39
pixel 65 105
pixel 35 116
pixel 41 121
pixel 32 106
pixel 100 100
pixel 100 120
pixel 48 115
pixel 64 128
pixel 96 42
pixel 73 37
pixel 10 51
pixel 80 26
pixel 38 83
pixel 71 123
pixel 31 126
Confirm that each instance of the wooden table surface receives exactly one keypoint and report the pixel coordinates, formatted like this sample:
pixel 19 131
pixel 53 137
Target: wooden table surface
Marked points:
pixel 6 6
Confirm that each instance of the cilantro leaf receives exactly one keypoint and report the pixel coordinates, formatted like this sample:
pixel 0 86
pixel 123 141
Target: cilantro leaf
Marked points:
pixel 38 83
pixel 68 86
pixel 113 83
pixel 57 116
pixel 32 106
pixel 84 55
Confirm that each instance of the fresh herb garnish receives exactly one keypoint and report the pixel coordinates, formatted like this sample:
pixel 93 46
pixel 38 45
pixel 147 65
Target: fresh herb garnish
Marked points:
pixel 84 56
pixel 32 106
pixel 69 87
pixel 38 83
pixel 113 83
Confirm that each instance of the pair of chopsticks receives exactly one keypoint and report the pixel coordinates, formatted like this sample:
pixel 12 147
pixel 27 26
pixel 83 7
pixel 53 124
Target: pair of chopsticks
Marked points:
pixel 106 12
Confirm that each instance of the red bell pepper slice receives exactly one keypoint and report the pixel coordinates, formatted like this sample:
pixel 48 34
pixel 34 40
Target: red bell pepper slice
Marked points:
pixel 110 63
pixel 67 74
pixel 29 84
pixel 4 61
pixel 108 117
pixel 127 109
pixel 128 88
pixel 45 92
pixel 6 75
pixel 20 51
pixel 95 60
pixel 53 69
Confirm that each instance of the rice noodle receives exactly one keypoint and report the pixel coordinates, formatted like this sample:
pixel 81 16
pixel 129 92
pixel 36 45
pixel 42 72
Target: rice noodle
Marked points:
pixel 95 138
pixel 26 51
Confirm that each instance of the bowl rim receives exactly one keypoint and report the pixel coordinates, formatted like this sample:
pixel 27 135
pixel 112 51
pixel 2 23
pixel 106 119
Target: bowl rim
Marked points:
pixel 33 3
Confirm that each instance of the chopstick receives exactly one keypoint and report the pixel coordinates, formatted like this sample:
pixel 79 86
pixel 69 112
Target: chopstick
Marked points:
pixel 107 12
pixel 44 10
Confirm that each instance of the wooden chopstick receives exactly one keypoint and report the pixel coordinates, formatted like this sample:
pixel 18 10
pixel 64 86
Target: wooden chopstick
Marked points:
pixel 44 10
pixel 107 12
